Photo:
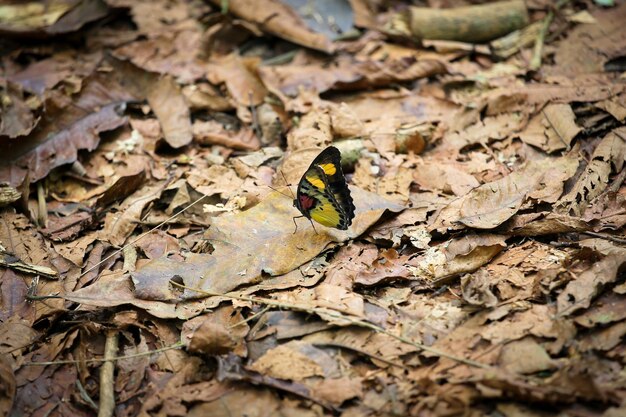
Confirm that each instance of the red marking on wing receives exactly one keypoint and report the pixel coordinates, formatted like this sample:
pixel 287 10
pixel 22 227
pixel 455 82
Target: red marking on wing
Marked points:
pixel 306 202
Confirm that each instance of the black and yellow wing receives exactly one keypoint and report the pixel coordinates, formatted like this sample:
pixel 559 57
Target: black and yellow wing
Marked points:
pixel 323 194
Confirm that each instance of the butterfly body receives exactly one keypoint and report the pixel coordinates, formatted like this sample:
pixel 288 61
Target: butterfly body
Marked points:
pixel 323 194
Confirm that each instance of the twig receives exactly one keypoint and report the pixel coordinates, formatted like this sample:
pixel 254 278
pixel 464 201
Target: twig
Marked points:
pixel 252 317
pixel 535 62
pixel 141 236
pixel 85 395
pixel 107 377
pixel 339 316
pixel 112 359
pixel 362 352
pixel 606 237
pixel 42 210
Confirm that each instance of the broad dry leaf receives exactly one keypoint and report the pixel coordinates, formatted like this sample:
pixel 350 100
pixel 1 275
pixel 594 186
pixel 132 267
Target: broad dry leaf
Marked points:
pixel 17 118
pixel 492 128
pixel 56 17
pixel 241 82
pixel 242 401
pixel 168 104
pixel 525 356
pixel 439 264
pixel 212 132
pixel 492 204
pixel 553 129
pixel 294 360
pixel 120 225
pixel 347 73
pixel 477 288
pixel 609 156
pixel 73 125
pixel 610 308
pixel 257 241
pixel 313 131
pixel 590 46
pixel 445 177
pixel 116 289
pixel 280 20
pixel 216 333
pixel 579 292
pixel 7 385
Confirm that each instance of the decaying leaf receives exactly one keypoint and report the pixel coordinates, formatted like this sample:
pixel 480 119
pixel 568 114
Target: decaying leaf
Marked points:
pixel 553 129
pixel 579 292
pixel 216 333
pixel 262 240
pixel 609 156
pixel 492 204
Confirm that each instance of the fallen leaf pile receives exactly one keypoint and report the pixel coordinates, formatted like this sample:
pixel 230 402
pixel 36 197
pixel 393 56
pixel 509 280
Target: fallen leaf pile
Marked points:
pixel 151 263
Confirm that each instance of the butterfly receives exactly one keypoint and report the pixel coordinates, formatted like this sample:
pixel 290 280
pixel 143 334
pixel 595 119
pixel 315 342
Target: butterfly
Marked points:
pixel 323 194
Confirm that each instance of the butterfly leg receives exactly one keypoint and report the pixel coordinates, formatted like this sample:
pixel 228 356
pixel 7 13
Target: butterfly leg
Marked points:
pixel 314 229
pixel 296 224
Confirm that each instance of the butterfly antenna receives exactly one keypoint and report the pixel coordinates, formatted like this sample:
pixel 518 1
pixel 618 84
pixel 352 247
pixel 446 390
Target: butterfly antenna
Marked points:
pixel 287 184
pixel 279 192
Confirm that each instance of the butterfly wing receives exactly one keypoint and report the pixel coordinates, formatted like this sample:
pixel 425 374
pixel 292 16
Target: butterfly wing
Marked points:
pixel 323 194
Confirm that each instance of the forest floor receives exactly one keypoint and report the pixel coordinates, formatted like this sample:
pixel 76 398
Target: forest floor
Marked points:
pixel 151 264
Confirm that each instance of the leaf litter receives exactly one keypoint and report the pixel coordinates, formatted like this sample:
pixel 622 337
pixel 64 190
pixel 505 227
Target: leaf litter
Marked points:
pixel 147 213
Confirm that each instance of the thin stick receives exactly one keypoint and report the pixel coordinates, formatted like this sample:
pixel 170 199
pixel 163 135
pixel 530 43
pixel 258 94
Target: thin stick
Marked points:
pixel 362 352
pixel 141 236
pixel 42 210
pixel 107 376
pixel 340 316
pixel 112 359
pixel 535 62
pixel 606 237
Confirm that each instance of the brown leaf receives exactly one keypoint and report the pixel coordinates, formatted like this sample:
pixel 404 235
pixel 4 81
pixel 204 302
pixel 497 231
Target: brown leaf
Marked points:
pixel 553 129
pixel 169 106
pixel 489 129
pixel 603 338
pixel 252 402
pixel 280 20
pixel 116 288
pixel 579 292
pixel 36 19
pixel 16 335
pixel 295 361
pixel 444 177
pixel 439 264
pixel 69 127
pixel 17 118
pixel 525 356
pixel 477 290
pixel 239 76
pixel 493 203
pixel 347 73
pixel 122 188
pixel 164 97
pixel 216 333
pixel 608 308
pixel 253 238
pixel 313 131
pixel 590 46
pixel 120 225
pixel 213 132
pixel 7 386
pixel 337 390
pixel 607 211
pixel 609 156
